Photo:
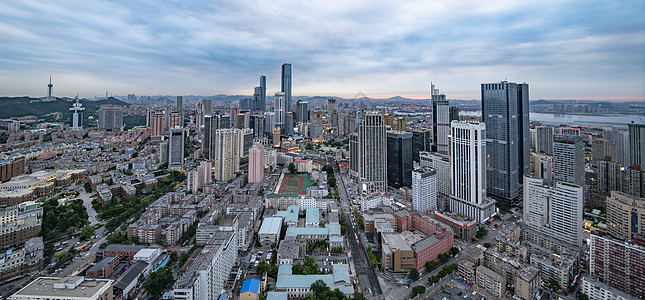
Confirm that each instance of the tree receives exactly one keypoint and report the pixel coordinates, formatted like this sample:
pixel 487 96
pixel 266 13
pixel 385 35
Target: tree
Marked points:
pixel 487 245
pixel 359 296
pixel 433 279
pixel 555 285
pixel 414 274
pixel 158 281
pixel 292 168
pixel 430 265
pixel 87 232
pixel 583 296
pixel 419 289
pixel 319 287
pixel 87 187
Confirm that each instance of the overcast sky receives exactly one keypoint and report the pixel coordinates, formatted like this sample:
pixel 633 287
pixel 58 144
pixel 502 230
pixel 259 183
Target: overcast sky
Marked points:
pixel 562 49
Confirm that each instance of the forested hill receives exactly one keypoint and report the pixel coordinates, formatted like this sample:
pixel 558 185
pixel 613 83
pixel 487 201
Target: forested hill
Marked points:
pixel 23 106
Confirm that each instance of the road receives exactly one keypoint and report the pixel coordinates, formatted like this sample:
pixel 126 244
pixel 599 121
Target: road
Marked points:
pixel 86 256
pixel 87 202
pixel 365 271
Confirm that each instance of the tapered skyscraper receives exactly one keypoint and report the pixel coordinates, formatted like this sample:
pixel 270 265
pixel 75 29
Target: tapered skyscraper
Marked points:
pixel 260 95
pixel 505 110
pixel 440 121
pixel 286 85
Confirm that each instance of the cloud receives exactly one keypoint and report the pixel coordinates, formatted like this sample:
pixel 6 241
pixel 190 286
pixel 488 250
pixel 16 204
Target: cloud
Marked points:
pixel 563 49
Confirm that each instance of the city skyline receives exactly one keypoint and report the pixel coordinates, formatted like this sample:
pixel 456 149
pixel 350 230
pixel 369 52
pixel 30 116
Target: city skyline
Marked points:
pixel 564 49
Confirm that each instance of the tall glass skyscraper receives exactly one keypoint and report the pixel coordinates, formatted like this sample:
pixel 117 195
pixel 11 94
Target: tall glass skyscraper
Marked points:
pixel 637 144
pixel 440 121
pixel 505 111
pixel 286 85
pixel 399 158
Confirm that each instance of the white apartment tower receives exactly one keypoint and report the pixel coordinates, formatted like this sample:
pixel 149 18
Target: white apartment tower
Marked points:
pixel 424 189
pixel 441 163
pixel 468 167
pixel 368 149
pixel 227 149
pixel 553 212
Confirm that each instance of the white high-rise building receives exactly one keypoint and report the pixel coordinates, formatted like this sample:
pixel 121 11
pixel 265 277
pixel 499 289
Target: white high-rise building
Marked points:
pixel 424 189
pixel 569 159
pixel 441 163
pixel 555 212
pixel 206 278
pixel 227 151
pixel 368 149
pixel 468 166
pixel 197 178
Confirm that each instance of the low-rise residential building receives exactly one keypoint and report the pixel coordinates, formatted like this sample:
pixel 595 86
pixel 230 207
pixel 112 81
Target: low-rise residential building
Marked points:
pixel 491 281
pixel 18 223
pixel 560 268
pixel 527 283
pixel 376 200
pixel 25 260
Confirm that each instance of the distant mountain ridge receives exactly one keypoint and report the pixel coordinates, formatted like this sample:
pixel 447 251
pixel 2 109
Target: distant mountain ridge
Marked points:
pixel 27 106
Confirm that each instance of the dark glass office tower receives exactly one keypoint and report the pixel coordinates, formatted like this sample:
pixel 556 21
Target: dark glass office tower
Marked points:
pixel 399 159
pixel 421 141
pixel 286 85
pixel 505 111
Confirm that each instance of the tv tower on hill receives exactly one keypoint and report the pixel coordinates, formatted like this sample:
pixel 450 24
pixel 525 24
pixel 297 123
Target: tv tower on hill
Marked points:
pixel 49 89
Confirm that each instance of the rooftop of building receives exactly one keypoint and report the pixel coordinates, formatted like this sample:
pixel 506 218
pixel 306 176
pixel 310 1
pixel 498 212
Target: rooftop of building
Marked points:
pixel 102 264
pixel 289 215
pixel 276 296
pixel 130 274
pixel 250 285
pixel 396 242
pixel 271 225
pixel 73 287
pixel 490 273
pixel 339 279
pixel 312 216
pixel 123 247
pixel 428 241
